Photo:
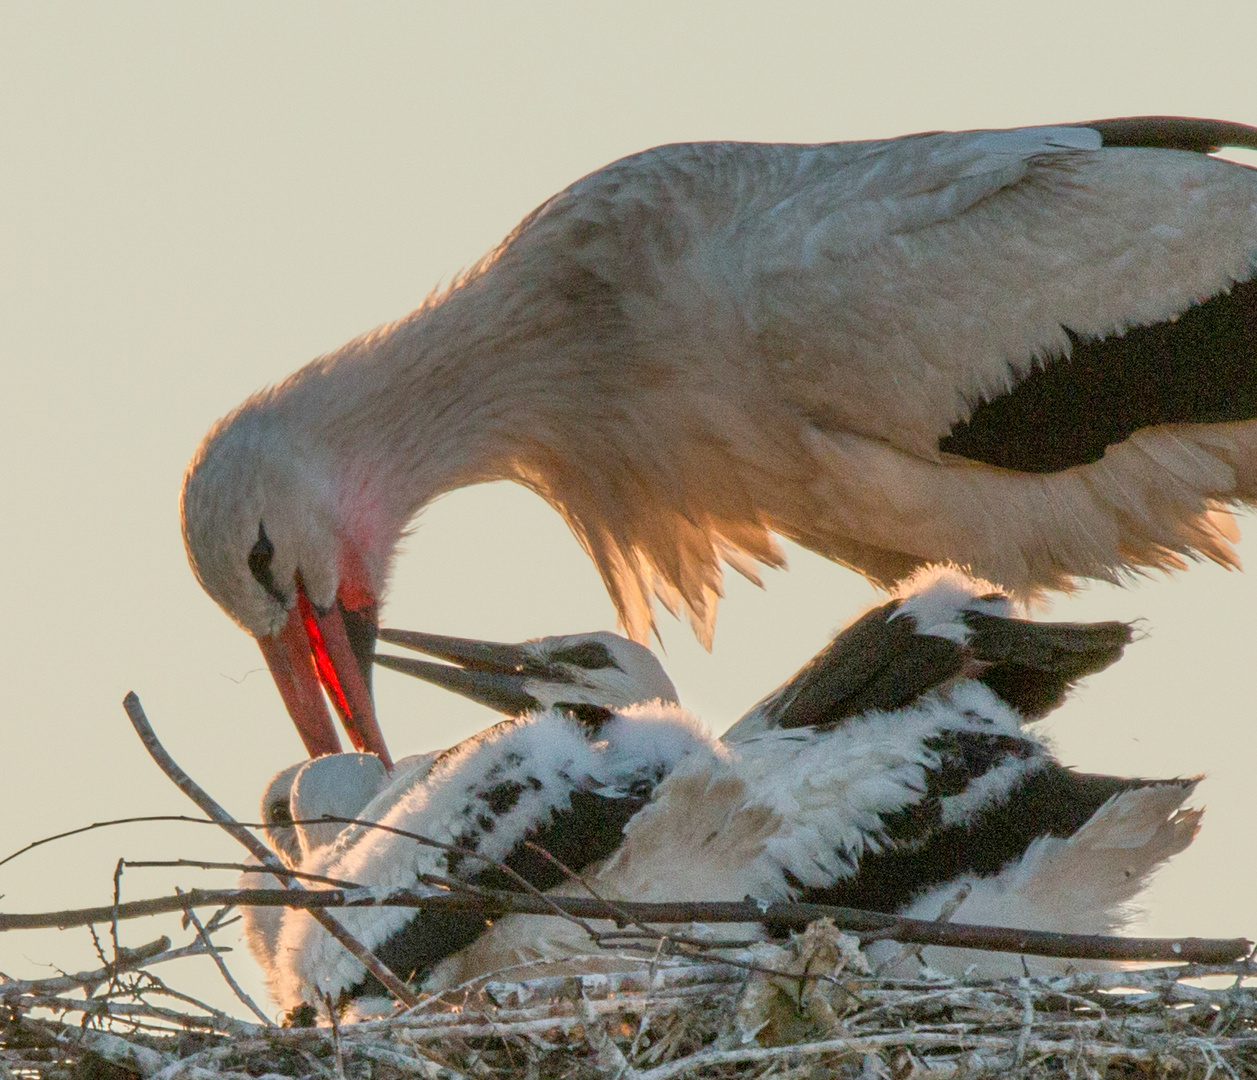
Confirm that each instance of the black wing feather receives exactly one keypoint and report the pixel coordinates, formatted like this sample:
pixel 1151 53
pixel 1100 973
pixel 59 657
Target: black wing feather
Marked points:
pixel 587 830
pixel 1174 133
pixel 1033 665
pixel 1199 367
pixel 878 662
pixel 1050 801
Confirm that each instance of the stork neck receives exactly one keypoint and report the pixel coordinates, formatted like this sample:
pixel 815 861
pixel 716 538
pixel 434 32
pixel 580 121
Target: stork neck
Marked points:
pixel 429 404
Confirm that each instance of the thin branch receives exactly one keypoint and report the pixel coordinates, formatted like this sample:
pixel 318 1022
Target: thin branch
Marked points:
pixel 949 909
pixel 156 985
pixel 218 920
pixel 127 960
pixel 202 798
pixel 142 819
pixel 793 916
pixel 214 1021
pixel 113 920
pixel 622 918
pixel 334 1020
pixel 244 868
pixel 228 978
pixel 660 941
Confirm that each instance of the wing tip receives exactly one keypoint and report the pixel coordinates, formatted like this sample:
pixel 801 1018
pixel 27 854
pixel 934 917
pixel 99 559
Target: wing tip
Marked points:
pixel 1203 136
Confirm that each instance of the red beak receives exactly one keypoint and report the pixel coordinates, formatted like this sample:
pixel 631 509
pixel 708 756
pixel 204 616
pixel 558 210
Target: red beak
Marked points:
pixel 314 653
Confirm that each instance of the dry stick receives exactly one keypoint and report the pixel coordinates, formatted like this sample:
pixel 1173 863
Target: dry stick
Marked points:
pixel 905 951
pixel 792 916
pixel 105 824
pixel 340 1053
pixel 621 917
pixel 244 868
pixel 113 923
pixel 158 986
pixel 875 925
pixel 177 1021
pixel 451 885
pixel 659 937
pixel 61 983
pixel 127 960
pixel 228 978
pixel 185 783
pixel 202 798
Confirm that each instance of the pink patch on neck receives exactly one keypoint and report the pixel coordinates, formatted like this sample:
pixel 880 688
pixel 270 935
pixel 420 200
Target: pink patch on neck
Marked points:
pixel 355 590
pixel 364 528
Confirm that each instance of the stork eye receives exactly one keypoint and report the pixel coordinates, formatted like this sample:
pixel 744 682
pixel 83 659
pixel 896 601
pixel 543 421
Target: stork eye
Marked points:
pixel 588 654
pixel 259 561
pixel 278 813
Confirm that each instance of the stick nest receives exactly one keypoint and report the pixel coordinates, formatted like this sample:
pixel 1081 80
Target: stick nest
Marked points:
pixel 808 1008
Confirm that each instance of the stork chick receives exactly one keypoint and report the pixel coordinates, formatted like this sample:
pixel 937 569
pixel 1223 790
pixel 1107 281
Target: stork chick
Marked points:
pixel 940 626
pixel 891 807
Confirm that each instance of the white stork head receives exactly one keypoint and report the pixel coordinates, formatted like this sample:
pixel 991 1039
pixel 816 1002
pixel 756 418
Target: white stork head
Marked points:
pixel 284 535
pixel 601 669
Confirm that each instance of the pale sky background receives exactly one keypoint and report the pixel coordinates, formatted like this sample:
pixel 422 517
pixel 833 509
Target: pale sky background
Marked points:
pixel 197 199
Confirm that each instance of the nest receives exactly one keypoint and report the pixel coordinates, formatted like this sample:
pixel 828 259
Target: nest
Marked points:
pixel 810 1007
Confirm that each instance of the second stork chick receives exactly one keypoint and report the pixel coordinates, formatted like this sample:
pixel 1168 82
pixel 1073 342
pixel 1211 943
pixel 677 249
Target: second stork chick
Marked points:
pixel 894 773
pixel 916 778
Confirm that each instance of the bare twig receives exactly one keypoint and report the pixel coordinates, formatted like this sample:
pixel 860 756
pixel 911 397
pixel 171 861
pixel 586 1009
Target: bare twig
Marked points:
pixel 113 921
pixel 228 978
pixel 127 960
pixel 905 951
pixel 214 1020
pixel 334 1020
pixel 185 783
pixel 622 917
pixel 660 940
pixel 524 884
pixel 793 916
pixel 142 819
pixel 244 868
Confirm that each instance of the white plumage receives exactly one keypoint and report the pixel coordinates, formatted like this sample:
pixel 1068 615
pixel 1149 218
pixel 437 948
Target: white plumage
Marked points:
pixel 293 802
pixel 888 808
pixel 1082 883
pixel 598 670
pixel 546 777
pixel 785 816
pixel 1033 352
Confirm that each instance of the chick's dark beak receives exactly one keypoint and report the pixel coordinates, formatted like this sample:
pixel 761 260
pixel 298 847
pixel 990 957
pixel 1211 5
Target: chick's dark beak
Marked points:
pixel 489 672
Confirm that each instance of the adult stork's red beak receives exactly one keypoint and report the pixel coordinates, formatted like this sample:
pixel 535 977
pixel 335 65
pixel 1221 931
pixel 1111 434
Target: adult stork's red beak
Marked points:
pixel 330 651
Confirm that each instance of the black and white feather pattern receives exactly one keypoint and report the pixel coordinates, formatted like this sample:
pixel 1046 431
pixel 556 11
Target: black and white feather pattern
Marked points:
pixel 560 781
pixel 897 809
pixel 941 626
pixel 920 778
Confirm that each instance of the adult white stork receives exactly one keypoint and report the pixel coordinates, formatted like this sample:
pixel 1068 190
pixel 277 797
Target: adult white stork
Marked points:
pixel 1032 352
pixel 919 779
